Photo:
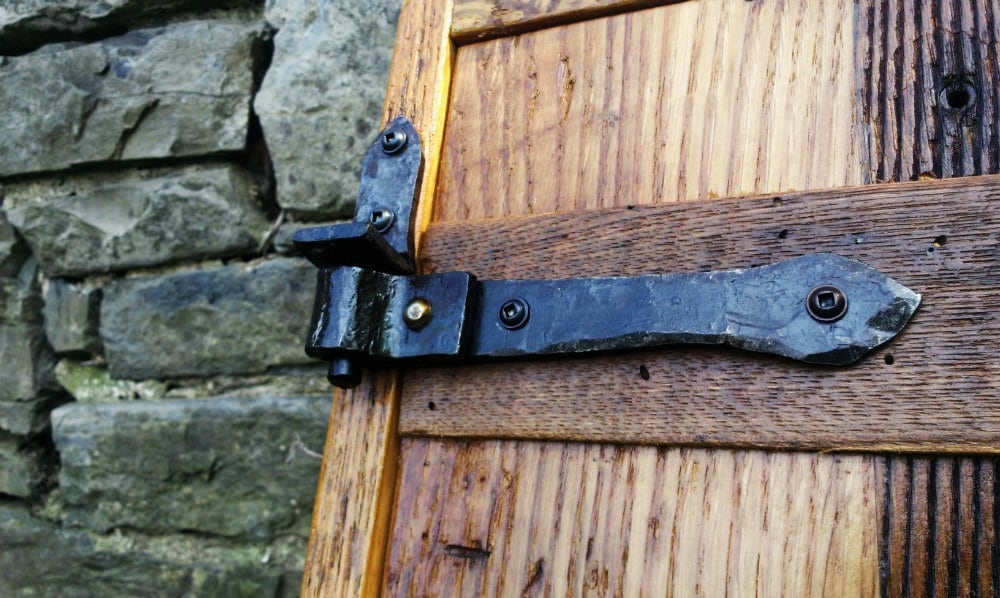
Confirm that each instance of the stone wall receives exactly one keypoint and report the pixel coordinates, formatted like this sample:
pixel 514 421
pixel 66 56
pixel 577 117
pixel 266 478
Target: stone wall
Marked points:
pixel 159 421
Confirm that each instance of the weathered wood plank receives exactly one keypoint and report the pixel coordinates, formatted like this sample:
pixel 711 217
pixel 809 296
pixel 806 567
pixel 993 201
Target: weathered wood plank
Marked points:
pixel 688 101
pixel 550 519
pixel 938 520
pixel 930 101
pixel 354 499
pixel 930 71
pixel 479 20
pixel 933 388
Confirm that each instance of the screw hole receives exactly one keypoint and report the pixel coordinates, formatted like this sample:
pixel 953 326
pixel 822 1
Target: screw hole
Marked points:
pixel 958 96
pixel 431 405
pixel 776 202
pixel 644 372
pixel 939 241
pixel 889 359
pixel 783 233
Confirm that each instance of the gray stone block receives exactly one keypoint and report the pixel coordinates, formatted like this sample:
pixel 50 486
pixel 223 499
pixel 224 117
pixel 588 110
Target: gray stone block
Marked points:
pixel 29 416
pixel 26 24
pixel 239 319
pixel 17 467
pixel 104 222
pixel 40 558
pixel 13 250
pixel 72 314
pixel 321 100
pixel 183 90
pixel 26 360
pixel 227 466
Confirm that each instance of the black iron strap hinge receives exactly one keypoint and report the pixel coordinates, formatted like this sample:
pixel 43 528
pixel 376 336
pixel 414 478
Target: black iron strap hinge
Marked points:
pixel 372 309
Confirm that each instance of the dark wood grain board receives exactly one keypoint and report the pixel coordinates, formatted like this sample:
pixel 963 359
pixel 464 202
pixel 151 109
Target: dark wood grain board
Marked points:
pixel 932 389
pixel 929 75
pixel 938 524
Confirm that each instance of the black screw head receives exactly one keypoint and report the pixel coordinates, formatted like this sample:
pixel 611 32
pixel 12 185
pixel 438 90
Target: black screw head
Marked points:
pixel 382 219
pixel 393 141
pixel 826 303
pixel 514 314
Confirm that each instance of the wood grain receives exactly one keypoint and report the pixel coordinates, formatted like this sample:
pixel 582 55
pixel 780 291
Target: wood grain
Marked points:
pixel 938 393
pixel 695 100
pixel 479 20
pixel 548 519
pixel 516 517
pixel 352 517
pixel 354 496
pixel 939 521
pixel 913 56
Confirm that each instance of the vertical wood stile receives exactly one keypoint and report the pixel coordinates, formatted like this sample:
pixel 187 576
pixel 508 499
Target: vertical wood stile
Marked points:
pixel 352 517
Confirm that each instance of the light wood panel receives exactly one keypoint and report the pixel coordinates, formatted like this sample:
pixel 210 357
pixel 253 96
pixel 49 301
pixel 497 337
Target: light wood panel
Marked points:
pixel 932 388
pixel 549 519
pixel 354 498
pixel 694 100
pixel 478 20
pixel 554 129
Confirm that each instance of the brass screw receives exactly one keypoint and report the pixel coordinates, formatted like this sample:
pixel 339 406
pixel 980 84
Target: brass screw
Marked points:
pixel 417 314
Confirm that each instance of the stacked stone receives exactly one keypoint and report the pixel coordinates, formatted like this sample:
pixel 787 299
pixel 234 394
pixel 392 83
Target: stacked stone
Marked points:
pixel 159 421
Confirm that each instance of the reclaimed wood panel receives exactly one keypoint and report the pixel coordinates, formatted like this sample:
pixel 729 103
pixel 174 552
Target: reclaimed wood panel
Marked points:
pixel 479 20
pixel 932 389
pixel 930 78
pixel 354 499
pixel 929 73
pixel 551 519
pixel 939 520
pixel 695 100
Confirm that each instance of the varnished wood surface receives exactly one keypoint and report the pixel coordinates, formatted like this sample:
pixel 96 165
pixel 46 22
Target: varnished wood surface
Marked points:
pixel 459 500
pixel 354 500
pixel 694 100
pixel 550 519
pixel 932 388
pixel 354 496
pixel 478 20
pixel 576 518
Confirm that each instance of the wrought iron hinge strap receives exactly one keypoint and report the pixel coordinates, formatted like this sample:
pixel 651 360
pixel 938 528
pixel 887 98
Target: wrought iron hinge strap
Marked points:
pixel 370 309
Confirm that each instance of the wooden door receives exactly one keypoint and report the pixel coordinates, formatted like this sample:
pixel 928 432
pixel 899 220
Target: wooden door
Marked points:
pixel 602 137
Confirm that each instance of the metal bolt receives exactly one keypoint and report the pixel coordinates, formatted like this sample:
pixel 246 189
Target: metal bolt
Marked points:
pixel 382 219
pixel 417 314
pixel 826 303
pixel 393 141
pixel 514 313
